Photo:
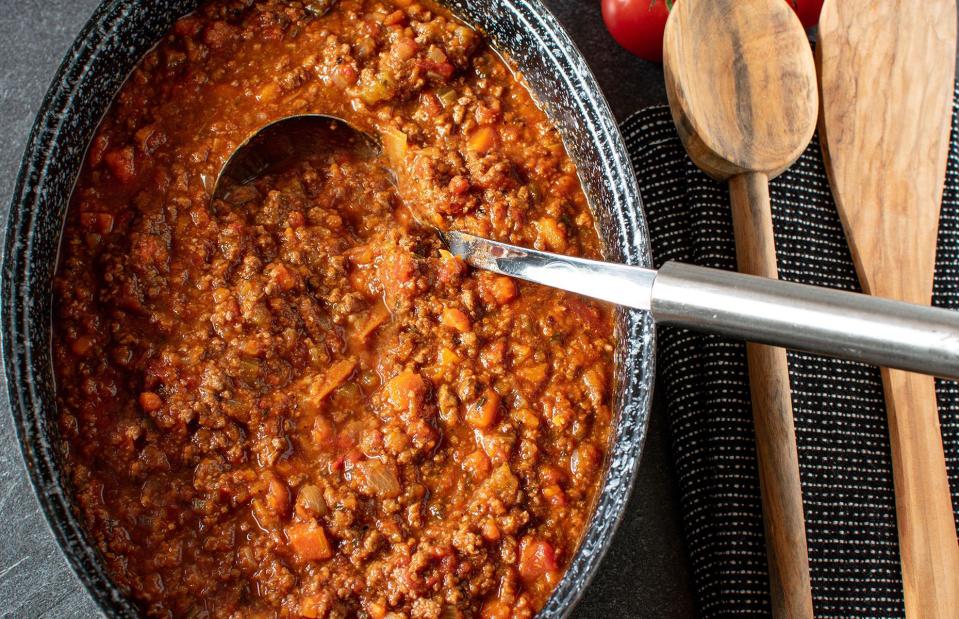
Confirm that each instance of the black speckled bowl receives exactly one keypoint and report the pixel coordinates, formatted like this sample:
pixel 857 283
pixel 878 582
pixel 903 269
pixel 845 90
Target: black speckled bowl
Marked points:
pixel 112 42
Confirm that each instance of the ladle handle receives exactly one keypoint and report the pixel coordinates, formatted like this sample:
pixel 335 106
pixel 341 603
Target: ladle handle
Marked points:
pixel 779 484
pixel 825 321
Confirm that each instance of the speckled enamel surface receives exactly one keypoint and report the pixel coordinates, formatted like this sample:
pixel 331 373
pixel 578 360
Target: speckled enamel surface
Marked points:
pixel 106 50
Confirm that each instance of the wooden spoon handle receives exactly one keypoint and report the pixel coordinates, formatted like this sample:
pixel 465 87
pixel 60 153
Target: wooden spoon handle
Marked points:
pixel 927 530
pixel 779 482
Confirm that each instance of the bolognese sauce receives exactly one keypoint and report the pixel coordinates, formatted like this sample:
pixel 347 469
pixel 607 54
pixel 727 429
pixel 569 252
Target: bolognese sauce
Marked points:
pixel 293 402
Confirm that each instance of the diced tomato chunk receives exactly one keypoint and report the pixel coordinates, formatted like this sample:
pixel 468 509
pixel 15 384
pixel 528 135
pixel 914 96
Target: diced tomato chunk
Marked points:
pixel 281 276
pixel 403 267
pixel 442 70
pixel 585 311
pixel 536 558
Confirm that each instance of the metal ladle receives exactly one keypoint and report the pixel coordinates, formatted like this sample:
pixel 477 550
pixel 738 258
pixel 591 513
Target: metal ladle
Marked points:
pixel 830 322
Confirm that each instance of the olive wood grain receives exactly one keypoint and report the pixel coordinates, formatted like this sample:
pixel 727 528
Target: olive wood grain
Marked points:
pixel 741 84
pixel 886 77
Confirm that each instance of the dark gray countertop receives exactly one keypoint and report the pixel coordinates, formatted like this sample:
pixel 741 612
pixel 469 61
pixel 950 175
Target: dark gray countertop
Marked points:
pixel 645 573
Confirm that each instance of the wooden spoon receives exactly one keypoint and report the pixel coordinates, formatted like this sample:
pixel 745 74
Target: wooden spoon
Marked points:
pixel 887 71
pixel 742 87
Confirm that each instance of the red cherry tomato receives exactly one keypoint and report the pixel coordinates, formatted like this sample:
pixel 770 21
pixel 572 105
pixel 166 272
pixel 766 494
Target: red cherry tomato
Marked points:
pixel 807 10
pixel 638 25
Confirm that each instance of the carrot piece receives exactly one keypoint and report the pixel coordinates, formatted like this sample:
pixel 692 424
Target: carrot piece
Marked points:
pixel 502 289
pixel 550 234
pixel 477 465
pixel 482 140
pixel 309 541
pixel 446 362
pixel 394 18
pixel 534 374
pixel 268 93
pixel 483 412
pixel 528 418
pixel 456 319
pixel 406 391
pixel 278 496
pixel 377 610
pixel 447 358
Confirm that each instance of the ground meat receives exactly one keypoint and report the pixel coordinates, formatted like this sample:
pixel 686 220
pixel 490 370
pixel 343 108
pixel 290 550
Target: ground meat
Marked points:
pixel 293 402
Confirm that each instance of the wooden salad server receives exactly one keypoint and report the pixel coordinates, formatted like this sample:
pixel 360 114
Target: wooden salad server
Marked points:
pixel 741 83
pixel 887 71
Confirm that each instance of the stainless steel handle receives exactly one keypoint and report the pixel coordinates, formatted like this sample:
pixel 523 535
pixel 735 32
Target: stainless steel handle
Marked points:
pixel 826 321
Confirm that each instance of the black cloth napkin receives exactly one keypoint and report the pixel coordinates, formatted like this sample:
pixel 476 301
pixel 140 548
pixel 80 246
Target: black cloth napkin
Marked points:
pixel 841 428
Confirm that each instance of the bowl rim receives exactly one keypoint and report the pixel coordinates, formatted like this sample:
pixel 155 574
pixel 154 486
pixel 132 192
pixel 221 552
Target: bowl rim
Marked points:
pixel 19 309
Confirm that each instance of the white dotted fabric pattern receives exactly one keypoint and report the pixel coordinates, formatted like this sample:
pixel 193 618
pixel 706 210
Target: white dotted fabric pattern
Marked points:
pixel 838 405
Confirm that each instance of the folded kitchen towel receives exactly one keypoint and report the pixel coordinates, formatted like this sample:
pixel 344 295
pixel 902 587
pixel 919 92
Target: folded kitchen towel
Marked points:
pixel 841 428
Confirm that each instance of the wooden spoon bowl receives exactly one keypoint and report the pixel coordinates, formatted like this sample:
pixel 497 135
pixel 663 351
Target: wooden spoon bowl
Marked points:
pixel 740 104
